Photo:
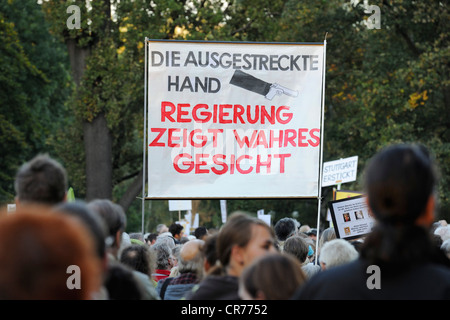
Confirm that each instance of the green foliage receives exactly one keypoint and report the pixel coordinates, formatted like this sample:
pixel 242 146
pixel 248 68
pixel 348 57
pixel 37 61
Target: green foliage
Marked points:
pixel 34 87
pixel 382 86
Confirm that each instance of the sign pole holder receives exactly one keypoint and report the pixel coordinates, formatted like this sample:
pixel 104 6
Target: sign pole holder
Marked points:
pixel 319 196
pixel 145 134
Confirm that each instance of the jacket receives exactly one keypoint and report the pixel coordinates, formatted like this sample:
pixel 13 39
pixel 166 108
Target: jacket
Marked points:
pixel 216 288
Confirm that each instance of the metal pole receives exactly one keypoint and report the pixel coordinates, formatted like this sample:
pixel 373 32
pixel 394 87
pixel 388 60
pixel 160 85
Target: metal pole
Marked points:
pixel 145 135
pixel 319 197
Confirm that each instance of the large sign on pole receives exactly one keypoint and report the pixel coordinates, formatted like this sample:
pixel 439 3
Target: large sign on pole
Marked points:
pixel 234 120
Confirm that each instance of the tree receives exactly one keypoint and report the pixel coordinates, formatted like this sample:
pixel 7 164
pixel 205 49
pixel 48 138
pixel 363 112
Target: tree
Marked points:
pixel 34 86
pixel 383 86
pixel 106 56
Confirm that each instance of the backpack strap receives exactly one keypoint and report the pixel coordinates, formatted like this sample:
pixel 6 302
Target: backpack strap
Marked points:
pixel 167 281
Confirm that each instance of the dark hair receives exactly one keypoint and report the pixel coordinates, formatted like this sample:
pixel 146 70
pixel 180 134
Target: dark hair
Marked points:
pixel 236 231
pixel 276 275
pixel 137 257
pixel 284 228
pixel 175 228
pixel 94 224
pixel 151 237
pixel 113 216
pixel 200 232
pixel 121 283
pixel 399 181
pixel 297 247
pixel 41 180
pixel 209 249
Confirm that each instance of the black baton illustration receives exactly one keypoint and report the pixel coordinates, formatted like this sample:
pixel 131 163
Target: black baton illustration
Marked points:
pixel 268 90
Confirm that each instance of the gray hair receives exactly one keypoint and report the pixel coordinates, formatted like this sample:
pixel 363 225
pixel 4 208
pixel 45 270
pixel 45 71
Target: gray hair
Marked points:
pixel 445 247
pixel 163 252
pixel 337 252
pixel 167 239
pixel 194 265
pixel 443 232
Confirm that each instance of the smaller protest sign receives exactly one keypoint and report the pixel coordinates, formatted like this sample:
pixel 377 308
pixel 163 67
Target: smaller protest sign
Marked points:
pixel 11 208
pixel 196 221
pixel 342 194
pixel 339 171
pixel 264 217
pixel 351 217
pixel 177 205
pixel 223 210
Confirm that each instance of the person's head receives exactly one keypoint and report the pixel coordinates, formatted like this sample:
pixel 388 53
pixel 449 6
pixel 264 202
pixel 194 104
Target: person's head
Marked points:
pixel 400 184
pixel 242 239
pixel 176 254
pixel 312 233
pixel 115 220
pixel 45 255
pixel 337 252
pixel 163 255
pixel 191 258
pixel 298 247
pixel 201 233
pixel 210 252
pixel 175 229
pixel 122 284
pixel 327 235
pixel 151 239
pixel 94 224
pixel 275 276
pixel 161 228
pixel 42 180
pixel 304 229
pixel 138 257
pixel 285 228
pixel 167 239
pixel 137 238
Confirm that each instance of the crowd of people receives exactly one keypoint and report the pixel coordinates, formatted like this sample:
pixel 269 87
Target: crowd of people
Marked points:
pixel 54 249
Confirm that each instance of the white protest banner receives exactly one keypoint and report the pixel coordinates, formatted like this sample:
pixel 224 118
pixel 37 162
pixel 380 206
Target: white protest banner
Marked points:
pixel 233 120
pixel 339 171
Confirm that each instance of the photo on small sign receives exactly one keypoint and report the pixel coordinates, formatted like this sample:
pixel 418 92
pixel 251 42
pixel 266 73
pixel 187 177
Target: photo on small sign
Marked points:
pixel 359 215
pixel 351 217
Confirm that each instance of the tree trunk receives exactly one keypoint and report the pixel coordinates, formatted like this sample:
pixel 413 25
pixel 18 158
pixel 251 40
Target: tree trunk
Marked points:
pixel 77 57
pixel 98 150
pixel 96 135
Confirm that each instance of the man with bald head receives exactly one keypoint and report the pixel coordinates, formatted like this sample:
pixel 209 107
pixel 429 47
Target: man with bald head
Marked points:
pixel 190 267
